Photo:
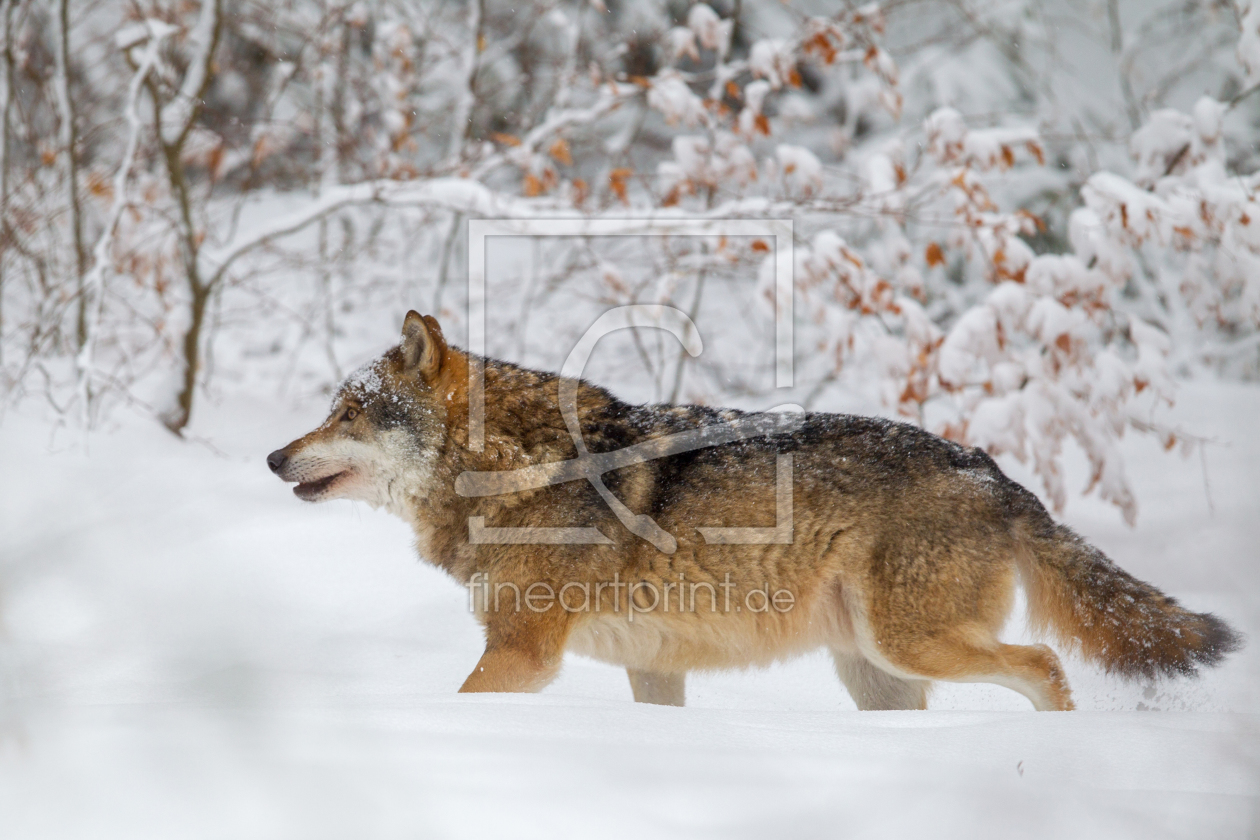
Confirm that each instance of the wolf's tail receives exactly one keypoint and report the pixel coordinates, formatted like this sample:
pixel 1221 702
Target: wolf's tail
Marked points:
pixel 1127 626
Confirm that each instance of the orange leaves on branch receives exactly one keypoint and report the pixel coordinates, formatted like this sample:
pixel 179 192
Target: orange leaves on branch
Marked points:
pixel 1034 218
pixel 560 151
pixel 934 255
pixel 214 162
pixel 1004 271
pixel 760 246
pixel 505 139
pixel 99 186
pixel 915 393
pixel 718 106
pixel 402 142
pixel 617 182
pixel 265 146
pixel 880 295
pixel 535 185
pixel 872 17
pixel 977 196
pixel 821 46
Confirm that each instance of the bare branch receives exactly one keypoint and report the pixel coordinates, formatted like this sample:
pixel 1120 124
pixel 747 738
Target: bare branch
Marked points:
pixel 94 283
pixel 467 95
pixel 179 113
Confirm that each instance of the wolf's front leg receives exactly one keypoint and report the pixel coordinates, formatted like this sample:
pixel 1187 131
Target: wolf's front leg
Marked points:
pixel 656 687
pixel 522 653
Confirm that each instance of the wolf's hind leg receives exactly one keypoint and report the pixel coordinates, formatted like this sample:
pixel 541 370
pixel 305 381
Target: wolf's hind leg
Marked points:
pixel 656 687
pixel 1032 670
pixel 873 689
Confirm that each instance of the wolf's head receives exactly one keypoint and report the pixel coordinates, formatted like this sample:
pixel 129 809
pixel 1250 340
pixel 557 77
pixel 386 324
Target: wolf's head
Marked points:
pixel 386 429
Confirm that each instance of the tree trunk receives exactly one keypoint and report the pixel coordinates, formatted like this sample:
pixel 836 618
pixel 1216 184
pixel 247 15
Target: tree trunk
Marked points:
pixel 172 138
pixel 199 291
pixel 178 419
pixel 6 91
pixel 69 141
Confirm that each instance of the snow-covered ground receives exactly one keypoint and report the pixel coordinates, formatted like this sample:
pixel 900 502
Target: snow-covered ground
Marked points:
pixel 187 651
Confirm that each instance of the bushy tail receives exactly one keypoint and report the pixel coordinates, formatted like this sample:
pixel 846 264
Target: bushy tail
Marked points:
pixel 1127 626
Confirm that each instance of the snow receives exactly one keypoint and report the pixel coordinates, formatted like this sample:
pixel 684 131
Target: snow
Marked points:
pixel 801 169
pixel 951 141
pixel 670 95
pixel 1160 142
pixel 711 31
pixel 188 651
pixel 974 337
pixel 680 41
pixel 771 59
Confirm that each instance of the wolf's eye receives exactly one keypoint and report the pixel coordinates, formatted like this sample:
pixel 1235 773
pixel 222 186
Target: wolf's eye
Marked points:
pixel 350 414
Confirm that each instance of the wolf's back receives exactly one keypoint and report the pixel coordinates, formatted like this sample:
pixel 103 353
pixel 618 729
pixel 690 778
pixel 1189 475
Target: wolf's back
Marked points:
pixel 1128 626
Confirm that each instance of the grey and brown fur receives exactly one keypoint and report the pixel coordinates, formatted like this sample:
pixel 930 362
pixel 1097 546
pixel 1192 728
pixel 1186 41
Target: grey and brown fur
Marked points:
pixel 905 552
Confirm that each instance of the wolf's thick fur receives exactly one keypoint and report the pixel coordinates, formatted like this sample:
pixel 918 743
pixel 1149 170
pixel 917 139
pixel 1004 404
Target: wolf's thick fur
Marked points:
pixel 903 560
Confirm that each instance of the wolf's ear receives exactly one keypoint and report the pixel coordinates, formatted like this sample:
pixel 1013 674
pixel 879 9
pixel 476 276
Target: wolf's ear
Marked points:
pixel 423 347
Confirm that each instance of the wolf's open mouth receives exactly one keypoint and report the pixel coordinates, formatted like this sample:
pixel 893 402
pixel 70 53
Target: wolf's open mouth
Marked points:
pixel 312 489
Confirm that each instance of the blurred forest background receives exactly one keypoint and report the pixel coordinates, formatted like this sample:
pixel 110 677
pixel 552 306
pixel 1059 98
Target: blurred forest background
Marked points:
pixel 1017 222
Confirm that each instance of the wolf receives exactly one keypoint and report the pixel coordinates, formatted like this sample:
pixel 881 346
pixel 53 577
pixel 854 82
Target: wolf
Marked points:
pixel 901 555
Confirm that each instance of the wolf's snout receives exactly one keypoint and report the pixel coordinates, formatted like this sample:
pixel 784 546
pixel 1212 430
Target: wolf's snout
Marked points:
pixel 276 460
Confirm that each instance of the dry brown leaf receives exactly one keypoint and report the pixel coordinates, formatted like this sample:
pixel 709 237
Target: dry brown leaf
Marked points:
pixel 617 181
pixel 560 151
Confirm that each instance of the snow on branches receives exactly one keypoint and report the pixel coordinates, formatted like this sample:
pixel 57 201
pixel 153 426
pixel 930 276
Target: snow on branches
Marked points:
pixel 1029 354
pixel 1185 230
pixel 933 276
